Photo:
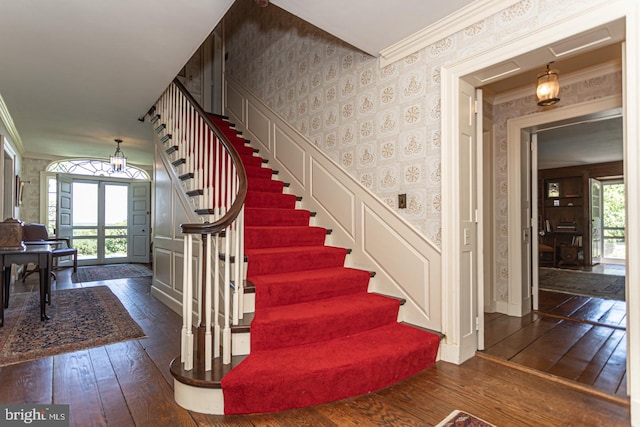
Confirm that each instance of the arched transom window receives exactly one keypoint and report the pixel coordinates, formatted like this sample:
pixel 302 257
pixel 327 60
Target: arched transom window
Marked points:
pixel 93 167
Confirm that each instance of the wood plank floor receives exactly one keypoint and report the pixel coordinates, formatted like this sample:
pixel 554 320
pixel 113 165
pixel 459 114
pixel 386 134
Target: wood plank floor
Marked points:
pixel 578 338
pixel 129 384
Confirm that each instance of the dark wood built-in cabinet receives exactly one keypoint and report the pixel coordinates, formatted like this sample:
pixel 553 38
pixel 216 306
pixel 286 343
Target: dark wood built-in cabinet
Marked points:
pixel 564 220
pixel 562 216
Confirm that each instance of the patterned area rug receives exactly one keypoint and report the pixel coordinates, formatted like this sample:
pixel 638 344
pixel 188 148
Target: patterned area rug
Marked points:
pixel 109 272
pixel 582 283
pixel 79 319
pixel 459 418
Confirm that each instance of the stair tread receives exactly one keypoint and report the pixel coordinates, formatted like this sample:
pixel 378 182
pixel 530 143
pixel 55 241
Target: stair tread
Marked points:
pixel 283 236
pixel 321 320
pixel 281 228
pixel 287 250
pixel 289 215
pixel 324 307
pixel 293 258
pixel 384 337
pixel 319 273
pixel 279 379
pixel 293 287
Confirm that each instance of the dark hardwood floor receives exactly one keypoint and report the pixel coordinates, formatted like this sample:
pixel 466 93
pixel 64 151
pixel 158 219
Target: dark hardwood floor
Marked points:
pixel 129 384
pixel 578 338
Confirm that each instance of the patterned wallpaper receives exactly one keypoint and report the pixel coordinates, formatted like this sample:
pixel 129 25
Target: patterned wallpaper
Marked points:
pixel 30 174
pixel 382 125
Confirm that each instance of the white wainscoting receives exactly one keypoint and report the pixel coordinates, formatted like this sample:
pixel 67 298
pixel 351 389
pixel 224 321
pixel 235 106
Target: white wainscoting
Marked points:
pixel 406 264
pixel 171 208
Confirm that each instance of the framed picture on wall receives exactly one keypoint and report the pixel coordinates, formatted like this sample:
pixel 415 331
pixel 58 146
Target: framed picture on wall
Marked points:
pixel 553 189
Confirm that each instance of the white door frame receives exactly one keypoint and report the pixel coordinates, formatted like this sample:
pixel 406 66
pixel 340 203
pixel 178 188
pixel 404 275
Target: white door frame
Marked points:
pixel 535 227
pixel 519 293
pixel 450 76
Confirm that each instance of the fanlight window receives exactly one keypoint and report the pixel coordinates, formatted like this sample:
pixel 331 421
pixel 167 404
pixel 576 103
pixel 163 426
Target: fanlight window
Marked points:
pixel 96 168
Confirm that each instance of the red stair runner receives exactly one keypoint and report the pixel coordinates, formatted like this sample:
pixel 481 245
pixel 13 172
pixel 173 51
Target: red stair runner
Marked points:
pixel 317 334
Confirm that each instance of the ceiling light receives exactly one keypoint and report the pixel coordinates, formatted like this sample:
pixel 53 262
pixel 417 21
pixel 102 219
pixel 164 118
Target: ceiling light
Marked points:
pixel 262 3
pixel 118 160
pixel 548 87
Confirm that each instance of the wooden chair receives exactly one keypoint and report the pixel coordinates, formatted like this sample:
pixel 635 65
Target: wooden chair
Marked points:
pixel 547 255
pixel 61 247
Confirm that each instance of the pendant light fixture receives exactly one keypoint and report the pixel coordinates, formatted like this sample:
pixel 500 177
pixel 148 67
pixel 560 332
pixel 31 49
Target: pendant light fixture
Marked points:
pixel 548 87
pixel 118 160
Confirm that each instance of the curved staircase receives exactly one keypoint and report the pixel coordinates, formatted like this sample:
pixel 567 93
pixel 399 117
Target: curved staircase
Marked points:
pixel 301 328
pixel 317 334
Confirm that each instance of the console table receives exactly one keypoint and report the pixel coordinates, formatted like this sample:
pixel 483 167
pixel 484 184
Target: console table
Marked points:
pixel 35 254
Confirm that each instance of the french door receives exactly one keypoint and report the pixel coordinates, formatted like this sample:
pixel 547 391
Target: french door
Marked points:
pixel 108 221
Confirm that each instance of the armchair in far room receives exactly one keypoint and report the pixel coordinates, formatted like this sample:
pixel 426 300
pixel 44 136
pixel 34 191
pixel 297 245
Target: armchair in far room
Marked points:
pixel 61 247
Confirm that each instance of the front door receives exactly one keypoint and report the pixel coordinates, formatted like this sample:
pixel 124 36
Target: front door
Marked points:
pixel 100 221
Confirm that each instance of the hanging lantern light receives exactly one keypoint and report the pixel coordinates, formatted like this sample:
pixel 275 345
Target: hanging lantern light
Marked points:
pixel 118 160
pixel 548 87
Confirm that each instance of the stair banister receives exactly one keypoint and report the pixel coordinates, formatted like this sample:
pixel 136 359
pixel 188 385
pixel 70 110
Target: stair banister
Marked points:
pixel 216 181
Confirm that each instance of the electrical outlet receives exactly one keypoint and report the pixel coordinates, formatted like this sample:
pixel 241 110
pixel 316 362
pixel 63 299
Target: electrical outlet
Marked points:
pixel 402 201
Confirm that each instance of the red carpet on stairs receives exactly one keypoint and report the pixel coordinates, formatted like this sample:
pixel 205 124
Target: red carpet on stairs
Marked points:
pixel 318 335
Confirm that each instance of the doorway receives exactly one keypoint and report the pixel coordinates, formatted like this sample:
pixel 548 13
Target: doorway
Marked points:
pixel 612 244
pixel 107 220
pixel 503 53
pixel 8 182
pixel 100 225
pixel 577 329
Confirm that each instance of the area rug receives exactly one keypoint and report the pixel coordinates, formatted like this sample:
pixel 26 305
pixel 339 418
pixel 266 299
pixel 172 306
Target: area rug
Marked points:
pixel 109 272
pixel 79 319
pixel 582 283
pixel 459 418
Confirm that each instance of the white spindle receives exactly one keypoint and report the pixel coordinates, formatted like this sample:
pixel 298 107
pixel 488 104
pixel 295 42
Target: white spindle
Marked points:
pixel 240 262
pixel 207 309
pixel 215 174
pixel 216 299
pixel 237 289
pixel 187 289
pixel 185 326
pixel 226 336
pixel 218 173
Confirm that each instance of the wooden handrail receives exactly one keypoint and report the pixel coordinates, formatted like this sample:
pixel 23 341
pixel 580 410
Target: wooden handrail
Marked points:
pixel 234 210
pixel 212 171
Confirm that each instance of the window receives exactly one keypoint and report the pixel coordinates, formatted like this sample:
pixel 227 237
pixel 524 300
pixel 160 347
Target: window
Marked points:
pixel 87 167
pixel 613 219
pixel 94 167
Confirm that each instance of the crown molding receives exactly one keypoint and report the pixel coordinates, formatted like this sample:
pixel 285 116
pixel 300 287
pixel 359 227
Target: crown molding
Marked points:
pixel 5 117
pixel 450 24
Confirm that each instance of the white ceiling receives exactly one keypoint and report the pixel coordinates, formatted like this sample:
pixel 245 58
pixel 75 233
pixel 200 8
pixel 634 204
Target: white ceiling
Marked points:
pixel 372 25
pixel 75 74
pixel 581 143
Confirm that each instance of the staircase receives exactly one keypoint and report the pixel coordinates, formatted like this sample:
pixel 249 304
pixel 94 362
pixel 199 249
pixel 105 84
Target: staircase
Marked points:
pixel 316 333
